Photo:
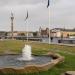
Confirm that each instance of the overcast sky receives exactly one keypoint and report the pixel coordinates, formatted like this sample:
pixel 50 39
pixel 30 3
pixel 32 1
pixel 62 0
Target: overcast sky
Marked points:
pixel 62 14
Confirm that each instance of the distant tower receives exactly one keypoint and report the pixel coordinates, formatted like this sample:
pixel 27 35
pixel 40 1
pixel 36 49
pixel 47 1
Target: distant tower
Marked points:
pixel 12 18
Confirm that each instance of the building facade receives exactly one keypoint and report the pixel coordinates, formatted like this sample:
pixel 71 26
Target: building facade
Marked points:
pixel 44 32
pixel 61 32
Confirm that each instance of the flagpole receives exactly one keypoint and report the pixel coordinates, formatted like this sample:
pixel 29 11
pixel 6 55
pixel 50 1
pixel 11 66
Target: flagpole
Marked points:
pixel 27 33
pixel 27 26
pixel 26 30
pixel 49 24
pixel 49 18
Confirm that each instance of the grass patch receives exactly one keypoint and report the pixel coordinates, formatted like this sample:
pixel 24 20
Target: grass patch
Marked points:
pixel 42 48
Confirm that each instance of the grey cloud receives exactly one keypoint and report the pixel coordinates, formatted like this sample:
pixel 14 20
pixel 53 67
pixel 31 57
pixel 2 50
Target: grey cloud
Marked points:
pixel 63 13
pixel 18 2
pixel 38 14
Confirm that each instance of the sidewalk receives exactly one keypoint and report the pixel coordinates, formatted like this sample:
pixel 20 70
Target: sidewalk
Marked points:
pixel 63 44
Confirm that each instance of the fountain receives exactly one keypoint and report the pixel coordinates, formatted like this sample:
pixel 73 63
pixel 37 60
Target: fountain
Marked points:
pixel 26 62
pixel 26 53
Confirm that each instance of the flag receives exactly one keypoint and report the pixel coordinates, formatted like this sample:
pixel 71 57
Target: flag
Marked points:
pixel 26 16
pixel 48 4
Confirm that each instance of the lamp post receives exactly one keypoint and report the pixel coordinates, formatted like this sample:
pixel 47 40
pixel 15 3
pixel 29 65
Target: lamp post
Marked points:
pixel 12 18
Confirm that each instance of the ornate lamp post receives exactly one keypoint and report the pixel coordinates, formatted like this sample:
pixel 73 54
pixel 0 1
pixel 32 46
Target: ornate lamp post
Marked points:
pixel 12 18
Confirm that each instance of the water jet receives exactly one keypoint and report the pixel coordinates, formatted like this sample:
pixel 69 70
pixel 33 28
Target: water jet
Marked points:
pixel 26 53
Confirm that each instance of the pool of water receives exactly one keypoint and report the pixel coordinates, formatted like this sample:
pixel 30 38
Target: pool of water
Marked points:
pixel 12 61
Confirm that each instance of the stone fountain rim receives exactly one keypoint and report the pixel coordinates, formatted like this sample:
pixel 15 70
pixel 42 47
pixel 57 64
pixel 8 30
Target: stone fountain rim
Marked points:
pixel 43 67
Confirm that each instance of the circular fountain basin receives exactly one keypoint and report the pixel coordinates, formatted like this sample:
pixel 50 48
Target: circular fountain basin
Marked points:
pixel 12 61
